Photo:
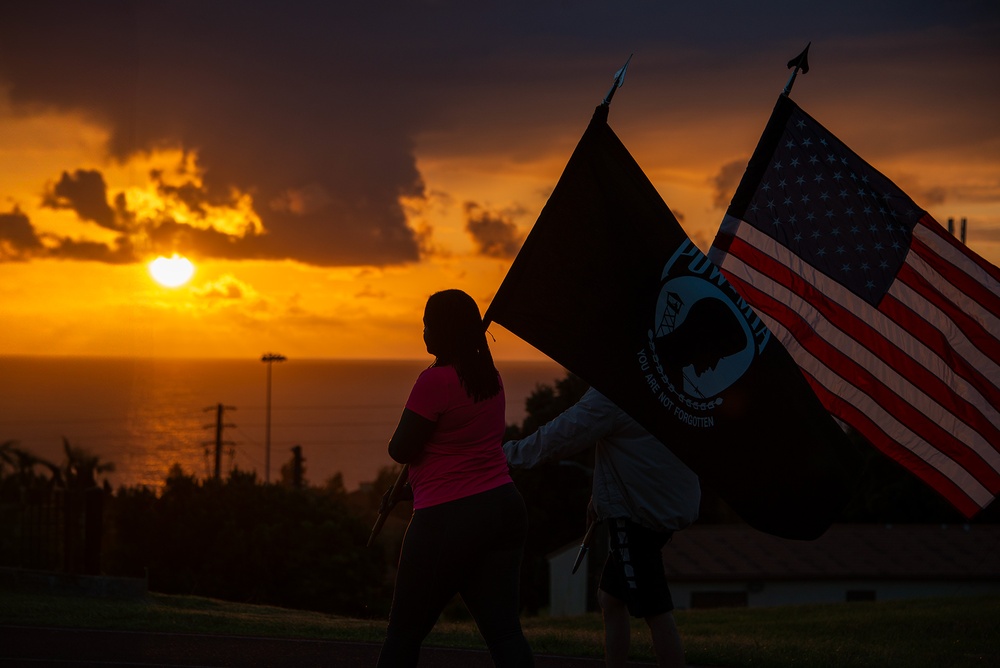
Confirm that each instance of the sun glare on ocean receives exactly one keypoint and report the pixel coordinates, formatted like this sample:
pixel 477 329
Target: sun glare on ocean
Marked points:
pixel 171 272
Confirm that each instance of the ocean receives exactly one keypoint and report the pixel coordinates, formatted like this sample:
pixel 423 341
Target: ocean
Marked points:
pixel 146 415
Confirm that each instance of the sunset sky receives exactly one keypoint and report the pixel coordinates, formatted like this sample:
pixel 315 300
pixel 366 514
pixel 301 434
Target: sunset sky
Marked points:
pixel 326 166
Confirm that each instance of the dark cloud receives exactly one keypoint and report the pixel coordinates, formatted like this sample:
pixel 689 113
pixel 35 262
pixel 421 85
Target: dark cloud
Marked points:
pixel 18 240
pixel 85 192
pixel 273 98
pixel 314 109
pixel 189 193
pixel 64 248
pixel 494 233
pixel 170 236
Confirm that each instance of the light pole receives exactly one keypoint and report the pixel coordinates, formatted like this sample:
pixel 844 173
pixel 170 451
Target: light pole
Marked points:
pixel 268 358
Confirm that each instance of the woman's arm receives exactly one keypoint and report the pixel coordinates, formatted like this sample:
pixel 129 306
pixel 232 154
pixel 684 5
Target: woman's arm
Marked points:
pixel 411 435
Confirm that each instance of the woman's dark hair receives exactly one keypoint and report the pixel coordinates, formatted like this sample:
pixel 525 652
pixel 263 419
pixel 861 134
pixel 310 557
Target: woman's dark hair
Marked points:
pixel 456 336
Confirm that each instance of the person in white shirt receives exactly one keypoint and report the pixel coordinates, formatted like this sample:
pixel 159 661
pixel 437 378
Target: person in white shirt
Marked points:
pixel 644 493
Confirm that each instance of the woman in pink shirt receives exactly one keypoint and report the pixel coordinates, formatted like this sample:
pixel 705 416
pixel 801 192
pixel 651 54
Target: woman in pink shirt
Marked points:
pixel 466 535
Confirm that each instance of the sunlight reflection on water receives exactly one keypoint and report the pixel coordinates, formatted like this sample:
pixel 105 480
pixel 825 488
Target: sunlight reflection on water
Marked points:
pixel 147 415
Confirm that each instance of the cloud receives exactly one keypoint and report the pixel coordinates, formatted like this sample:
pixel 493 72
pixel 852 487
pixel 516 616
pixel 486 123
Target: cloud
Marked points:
pixel 726 181
pixel 988 192
pixel 991 233
pixel 18 240
pixel 494 233
pixel 84 192
pixel 212 227
pixel 64 248
pixel 314 110
pixel 303 201
pixel 274 104
pixel 226 288
pixel 702 240
pixel 367 292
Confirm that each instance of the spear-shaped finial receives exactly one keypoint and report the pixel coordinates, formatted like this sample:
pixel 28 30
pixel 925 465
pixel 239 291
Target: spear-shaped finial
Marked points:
pixel 619 81
pixel 799 62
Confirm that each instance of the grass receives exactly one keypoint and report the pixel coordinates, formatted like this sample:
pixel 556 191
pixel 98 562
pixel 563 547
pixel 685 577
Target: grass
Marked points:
pixel 940 632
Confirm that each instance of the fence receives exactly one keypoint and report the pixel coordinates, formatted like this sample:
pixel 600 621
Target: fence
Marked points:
pixel 52 529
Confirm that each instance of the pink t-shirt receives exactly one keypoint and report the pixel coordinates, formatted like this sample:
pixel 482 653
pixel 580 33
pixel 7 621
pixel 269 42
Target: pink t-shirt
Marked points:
pixel 464 455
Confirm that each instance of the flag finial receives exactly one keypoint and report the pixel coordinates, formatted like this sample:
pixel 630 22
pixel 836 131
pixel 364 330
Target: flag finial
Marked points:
pixel 799 62
pixel 619 81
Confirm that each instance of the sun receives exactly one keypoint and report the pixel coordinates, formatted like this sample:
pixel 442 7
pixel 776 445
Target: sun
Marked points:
pixel 171 272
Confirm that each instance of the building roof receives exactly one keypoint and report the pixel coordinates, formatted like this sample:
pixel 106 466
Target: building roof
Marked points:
pixel 895 552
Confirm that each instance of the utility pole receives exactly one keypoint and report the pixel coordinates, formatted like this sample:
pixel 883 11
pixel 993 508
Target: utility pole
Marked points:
pixel 961 229
pixel 268 358
pixel 219 411
pixel 297 461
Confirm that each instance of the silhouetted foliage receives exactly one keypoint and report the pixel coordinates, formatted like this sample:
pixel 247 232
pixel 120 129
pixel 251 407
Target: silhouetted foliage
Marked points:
pixel 300 546
pixel 81 468
pixel 51 516
pixel 240 540
pixel 21 471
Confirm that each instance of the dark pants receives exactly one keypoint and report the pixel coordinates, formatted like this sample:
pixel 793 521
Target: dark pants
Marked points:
pixel 471 547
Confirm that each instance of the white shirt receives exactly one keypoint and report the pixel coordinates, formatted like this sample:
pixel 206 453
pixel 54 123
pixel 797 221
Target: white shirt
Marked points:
pixel 635 475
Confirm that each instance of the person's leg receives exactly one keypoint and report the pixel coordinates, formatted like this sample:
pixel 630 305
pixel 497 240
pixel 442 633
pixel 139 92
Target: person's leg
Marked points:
pixel 666 640
pixel 633 584
pixel 491 594
pixel 614 593
pixel 617 629
pixel 491 587
pixel 424 585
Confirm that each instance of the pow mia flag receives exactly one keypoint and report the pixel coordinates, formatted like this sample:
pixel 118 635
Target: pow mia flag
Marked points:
pixel 608 285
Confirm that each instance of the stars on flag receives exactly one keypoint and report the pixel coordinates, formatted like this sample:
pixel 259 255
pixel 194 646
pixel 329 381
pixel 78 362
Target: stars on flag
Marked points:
pixel 830 208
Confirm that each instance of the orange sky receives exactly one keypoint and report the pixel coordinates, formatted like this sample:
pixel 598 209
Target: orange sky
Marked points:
pixel 327 172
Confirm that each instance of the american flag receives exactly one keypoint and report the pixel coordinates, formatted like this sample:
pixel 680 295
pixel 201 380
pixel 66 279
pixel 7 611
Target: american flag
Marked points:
pixel 893 322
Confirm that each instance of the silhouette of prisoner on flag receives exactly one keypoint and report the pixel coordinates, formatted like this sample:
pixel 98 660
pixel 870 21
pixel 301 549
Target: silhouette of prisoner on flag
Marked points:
pixel 894 322
pixel 608 285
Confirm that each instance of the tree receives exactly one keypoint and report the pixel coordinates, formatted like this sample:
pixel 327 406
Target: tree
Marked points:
pixel 24 470
pixel 81 468
pixel 293 472
pixel 240 540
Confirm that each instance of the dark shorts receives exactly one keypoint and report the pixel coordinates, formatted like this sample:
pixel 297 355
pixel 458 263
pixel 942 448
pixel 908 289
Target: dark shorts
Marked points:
pixel 633 572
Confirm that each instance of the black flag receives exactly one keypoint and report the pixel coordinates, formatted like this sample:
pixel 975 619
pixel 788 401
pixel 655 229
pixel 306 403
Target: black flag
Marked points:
pixel 608 285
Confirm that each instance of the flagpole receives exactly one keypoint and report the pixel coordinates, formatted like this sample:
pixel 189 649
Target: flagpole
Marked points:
pixel 395 493
pixel 799 62
pixel 584 546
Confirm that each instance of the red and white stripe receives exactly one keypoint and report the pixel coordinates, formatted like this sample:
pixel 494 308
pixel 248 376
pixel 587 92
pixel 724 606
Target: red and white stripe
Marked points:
pixel 919 376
